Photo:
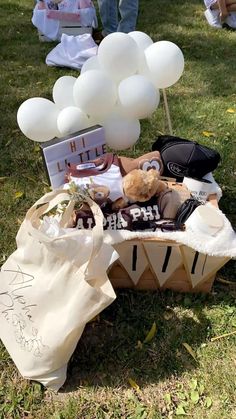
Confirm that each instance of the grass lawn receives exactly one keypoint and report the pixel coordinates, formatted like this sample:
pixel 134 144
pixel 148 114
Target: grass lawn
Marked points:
pixel 112 374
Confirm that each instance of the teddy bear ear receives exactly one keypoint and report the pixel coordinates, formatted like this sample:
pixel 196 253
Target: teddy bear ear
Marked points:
pixel 153 163
pixel 157 165
pixel 144 165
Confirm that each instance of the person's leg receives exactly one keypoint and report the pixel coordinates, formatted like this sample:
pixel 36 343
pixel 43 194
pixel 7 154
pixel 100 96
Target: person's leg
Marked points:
pixel 229 4
pixel 128 12
pixel 108 11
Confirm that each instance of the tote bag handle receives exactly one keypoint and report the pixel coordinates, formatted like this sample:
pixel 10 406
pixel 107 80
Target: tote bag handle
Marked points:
pixel 48 202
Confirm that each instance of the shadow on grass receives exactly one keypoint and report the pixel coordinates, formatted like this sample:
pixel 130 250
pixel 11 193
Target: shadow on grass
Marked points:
pixel 108 352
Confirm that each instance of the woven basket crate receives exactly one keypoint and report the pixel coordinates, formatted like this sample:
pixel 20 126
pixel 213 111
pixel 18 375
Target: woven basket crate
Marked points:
pixel 151 264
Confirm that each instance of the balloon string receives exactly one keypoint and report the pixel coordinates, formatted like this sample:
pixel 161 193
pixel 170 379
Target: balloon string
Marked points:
pixel 167 111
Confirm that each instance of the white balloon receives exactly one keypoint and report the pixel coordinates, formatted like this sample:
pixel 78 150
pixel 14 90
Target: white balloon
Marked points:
pixel 71 119
pixel 37 119
pixel 143 68
pixel 118 55
pixel 91 64
pixel 62 91
pixel 138 96
pixel 120 132
pixel 165 62
pixel 95 93
pixel 96 120
pixel 141 38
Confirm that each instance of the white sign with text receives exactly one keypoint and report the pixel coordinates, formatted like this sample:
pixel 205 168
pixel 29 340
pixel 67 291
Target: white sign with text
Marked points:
pixel 77 148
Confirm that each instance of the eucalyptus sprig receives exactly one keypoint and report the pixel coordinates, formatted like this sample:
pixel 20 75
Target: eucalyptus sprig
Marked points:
pixel 78 193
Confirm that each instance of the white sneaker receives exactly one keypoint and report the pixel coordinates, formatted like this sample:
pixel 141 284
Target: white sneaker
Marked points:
pixel 213 18
pixel 231 20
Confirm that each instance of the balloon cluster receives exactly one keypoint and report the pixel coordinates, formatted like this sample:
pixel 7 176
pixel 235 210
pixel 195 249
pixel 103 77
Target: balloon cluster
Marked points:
pixel 116 88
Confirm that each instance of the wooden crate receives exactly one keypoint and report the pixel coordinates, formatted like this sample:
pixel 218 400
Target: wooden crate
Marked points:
pixel 69 28
pixel 151 264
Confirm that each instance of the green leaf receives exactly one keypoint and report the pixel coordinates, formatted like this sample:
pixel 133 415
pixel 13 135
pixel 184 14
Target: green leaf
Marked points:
pixel 181 396
pixel 201 389
pixel 208 402
pixel 180 410
pixel 193 384
pixel 194 396
pixel 167 398
pixel 151 333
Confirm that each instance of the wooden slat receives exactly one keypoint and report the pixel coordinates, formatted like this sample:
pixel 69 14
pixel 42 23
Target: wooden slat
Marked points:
pixel 193 272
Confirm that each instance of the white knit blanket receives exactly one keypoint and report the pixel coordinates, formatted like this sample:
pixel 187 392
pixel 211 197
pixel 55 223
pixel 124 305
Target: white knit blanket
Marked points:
pixel 223 244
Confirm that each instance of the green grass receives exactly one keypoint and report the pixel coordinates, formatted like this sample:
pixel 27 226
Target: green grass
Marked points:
pixel 108 355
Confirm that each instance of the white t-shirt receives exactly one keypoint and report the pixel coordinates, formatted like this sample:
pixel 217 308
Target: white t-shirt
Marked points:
pixel 104 171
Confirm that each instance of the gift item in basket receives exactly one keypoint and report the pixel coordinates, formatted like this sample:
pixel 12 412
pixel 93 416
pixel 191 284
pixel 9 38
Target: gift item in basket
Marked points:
pixel 145 198
pixel 103 171
pixel 183 157
pixel 186 209
pixel 128 218
pixel 140 186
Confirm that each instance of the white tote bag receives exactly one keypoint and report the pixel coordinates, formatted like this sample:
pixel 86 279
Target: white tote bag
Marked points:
pixel 49 289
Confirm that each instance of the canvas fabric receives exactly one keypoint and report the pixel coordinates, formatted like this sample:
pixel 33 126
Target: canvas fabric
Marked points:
pixel 50 287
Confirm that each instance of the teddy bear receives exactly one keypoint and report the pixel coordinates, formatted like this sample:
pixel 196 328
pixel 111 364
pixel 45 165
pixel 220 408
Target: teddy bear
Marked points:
pixel 141 185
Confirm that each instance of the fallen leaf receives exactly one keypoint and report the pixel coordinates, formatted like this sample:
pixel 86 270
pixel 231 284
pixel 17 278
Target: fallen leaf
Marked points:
pixel 167 398
pixel 193 384
pixel 194 396
pixel 37 148
pixel 208 402
pixel 151 333
pixel 201 389
pixel 231 110
pixel 208 134
pixel 133 384
pixel 190 351
pixel 180 411
pixel 19 194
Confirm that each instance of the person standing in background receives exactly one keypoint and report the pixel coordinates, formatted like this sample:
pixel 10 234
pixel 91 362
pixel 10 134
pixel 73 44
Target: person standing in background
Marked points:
pixel 221 13
pixel 118 15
